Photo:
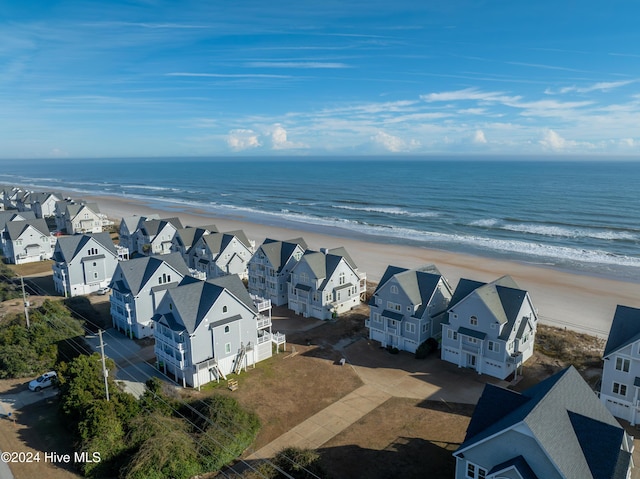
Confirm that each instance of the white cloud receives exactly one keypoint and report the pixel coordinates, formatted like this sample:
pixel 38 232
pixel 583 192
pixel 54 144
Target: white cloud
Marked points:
pixel 553 140
pixel 600 86
pixel 280 140
pixel 470 94
pixel 479 137
pixel 243 139
pixel 393 143
pixel 297 65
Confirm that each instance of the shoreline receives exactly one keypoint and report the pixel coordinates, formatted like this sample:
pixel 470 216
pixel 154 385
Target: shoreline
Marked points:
pixel 581 302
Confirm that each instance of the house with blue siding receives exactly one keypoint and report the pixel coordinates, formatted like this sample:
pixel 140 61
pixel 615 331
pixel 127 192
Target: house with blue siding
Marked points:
pixel 186 237
pixel 408 307
pixel 557 429
pixel 620 386
pixel 220 254
pixel 206 330
pixel 490 328
pixel 155 236
pixel 138 286
pixel 270 266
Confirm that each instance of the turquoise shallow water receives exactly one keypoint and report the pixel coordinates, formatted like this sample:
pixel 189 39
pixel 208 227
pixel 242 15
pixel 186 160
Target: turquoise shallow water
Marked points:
pixel 582 216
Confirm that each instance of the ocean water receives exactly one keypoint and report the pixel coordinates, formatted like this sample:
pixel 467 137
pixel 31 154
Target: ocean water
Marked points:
pixel 581 216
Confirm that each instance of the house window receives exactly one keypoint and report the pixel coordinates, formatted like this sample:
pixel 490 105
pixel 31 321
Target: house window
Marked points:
pixel 472 340
pixel 341 277
pixel 379 300
pixel 473 320
pixel 304 278
pixel 451 334
pixel 224 309
pixel 226 329
pixel 410 328
pixel 394 289
pixel 620 389
pixel 493 346
pixel 394 306
pixel 424 327
pixel 622 364
pixel 475 472
pixel 227 348
pixel 95 275
pixel 376 318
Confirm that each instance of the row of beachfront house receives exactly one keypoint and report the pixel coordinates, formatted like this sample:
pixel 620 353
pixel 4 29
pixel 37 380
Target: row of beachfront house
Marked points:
pixel 488 327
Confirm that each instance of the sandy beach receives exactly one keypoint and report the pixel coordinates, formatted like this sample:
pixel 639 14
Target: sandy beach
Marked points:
pixel 579 302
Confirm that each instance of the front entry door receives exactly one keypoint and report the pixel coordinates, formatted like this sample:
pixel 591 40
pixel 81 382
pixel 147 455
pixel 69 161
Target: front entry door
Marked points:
pixel 471 360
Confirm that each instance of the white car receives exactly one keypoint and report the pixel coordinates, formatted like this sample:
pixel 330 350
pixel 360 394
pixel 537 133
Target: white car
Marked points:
pixel 103 291
pixel 43 381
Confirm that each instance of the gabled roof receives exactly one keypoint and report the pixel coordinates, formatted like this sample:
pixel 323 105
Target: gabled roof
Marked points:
pixel 218 242
pixel 279 252
pixel 567 420
pixel 12 215
pixel 68 247
pixel 465 288
pixel 139 271
pixel 42 196
pixel 192 300
pixel 154 226
pixel 625 329
pixel 323 264
pixel 190 235
pixel 519 463
pixel 74 208
pixel 15 228
pixel 503 298
pixel 418 284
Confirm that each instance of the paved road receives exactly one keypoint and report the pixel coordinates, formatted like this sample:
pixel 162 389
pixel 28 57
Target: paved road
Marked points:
pixel 131 358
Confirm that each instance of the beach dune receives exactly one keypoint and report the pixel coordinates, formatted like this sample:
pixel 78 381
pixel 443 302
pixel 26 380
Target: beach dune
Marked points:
pixel 579 302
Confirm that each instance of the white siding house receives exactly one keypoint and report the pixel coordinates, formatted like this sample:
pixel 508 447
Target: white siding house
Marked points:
pixel 206 330
pixel 137 287
pixel 408 307
pixel 325 284
pixel 620 387
pixel 27 241
pixel 83 218
pixel 270 266
pixel 83 263
pixel 43 204
pixel 491 327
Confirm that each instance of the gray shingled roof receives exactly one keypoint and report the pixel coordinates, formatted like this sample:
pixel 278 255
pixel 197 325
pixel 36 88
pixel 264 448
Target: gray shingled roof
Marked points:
pixel 625 329
pixel 138 271
pixel 68 247
pixel 519 463
pixel 418 284
pixel 15 228
pixel 7 216
pixel 502 297
pixel 566 418
pixel 279 252
pixel 152 227
pixel 192 300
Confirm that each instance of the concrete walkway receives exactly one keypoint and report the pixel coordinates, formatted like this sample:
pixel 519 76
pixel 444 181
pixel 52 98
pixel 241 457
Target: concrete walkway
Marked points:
pixel 329 422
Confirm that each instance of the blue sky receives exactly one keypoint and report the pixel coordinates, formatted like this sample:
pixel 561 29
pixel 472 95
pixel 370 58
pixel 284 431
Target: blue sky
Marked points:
pixel 222 78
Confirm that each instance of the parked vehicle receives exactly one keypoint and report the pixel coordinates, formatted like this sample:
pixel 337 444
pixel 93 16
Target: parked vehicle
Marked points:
pixel 103 291
pixel 44 381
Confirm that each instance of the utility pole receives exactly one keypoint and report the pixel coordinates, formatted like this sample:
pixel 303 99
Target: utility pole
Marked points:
pixel 26 303
pixel 104 366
